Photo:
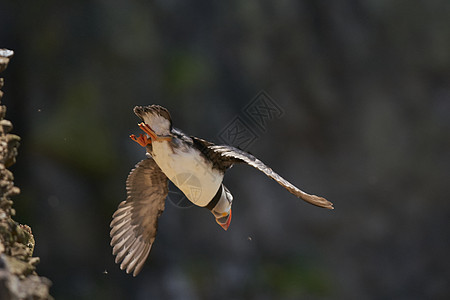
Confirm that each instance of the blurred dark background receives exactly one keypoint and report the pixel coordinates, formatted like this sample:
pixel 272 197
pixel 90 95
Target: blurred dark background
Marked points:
pixel 364 93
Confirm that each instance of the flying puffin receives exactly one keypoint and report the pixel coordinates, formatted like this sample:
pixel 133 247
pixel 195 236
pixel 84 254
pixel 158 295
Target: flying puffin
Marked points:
pixel 195 166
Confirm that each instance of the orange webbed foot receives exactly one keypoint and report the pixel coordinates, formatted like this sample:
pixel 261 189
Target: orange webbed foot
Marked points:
pixel 141 140
pixel 148 130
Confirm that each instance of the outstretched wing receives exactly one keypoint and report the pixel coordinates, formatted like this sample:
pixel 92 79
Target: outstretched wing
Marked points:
pixel 135 222
pixel 229 152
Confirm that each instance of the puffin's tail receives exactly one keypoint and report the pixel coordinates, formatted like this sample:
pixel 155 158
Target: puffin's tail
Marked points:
pixel 143 111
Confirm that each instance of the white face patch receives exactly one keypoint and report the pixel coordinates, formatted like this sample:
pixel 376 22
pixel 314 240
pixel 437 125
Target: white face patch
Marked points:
pixel 158 123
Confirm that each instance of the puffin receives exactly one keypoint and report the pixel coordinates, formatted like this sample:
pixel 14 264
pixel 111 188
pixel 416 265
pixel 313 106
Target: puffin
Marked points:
pixel 195 166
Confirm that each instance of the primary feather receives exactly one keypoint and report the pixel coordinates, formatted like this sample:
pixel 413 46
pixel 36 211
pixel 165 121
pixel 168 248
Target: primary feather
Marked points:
pixel 135 223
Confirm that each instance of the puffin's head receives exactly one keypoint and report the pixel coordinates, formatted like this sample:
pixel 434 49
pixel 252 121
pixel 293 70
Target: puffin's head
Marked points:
pixel 157 117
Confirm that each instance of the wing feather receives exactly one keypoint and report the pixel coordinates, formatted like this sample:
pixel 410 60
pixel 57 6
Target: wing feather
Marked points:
pixel 135 222
pixel 229 152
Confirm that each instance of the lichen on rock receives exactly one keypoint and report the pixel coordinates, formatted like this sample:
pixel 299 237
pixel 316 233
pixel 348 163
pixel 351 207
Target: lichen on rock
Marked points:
pixel 18 277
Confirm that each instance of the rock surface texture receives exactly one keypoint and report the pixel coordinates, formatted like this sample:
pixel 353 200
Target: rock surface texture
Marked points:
pixel 18 277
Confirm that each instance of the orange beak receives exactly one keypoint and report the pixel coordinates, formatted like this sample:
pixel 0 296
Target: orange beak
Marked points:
pixel 225 224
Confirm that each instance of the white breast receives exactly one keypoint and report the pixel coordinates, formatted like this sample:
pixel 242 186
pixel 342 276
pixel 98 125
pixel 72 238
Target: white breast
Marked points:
pixel 189 171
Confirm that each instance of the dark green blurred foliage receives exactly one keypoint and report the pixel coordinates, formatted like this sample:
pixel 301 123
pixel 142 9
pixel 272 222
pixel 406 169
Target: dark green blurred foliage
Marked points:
pixel 77 132
pixel 364 87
